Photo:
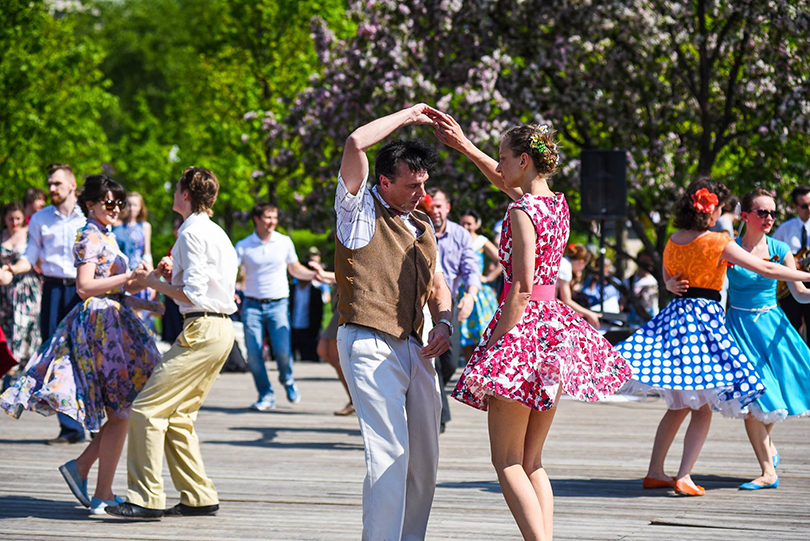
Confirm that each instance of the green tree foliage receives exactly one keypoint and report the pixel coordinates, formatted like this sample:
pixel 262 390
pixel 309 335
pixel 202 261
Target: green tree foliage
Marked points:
pixel 53 96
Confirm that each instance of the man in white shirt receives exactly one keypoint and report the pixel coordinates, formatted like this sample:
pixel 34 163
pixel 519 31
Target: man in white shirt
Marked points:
pixel 201 274
pixel 51 236
pixel 267 256
pixel 796 232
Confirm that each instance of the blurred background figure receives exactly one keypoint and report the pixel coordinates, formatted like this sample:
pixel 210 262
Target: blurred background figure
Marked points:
pixel 306 314
pixel 486 300
pixel 730 217
pixel 569 282
pixel 19 300
pixel 34 201
pixel 134 237
pixel 644 285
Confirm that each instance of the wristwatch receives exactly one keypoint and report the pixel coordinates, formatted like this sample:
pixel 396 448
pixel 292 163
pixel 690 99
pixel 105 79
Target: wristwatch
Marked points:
pixel 446 322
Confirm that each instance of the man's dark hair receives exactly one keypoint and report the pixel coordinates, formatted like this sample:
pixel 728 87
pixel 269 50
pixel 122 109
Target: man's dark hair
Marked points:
pixel 260 208
pixel 418 155
pixel 33 194
pixel 799 191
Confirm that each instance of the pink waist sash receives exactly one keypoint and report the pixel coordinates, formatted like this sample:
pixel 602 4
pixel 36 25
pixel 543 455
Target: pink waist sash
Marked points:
pixel 540 292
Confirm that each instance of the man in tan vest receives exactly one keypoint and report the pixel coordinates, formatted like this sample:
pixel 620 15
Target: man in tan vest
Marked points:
pixel 385 263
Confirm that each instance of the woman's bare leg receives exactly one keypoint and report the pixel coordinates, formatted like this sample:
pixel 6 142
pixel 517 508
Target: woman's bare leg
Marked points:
pixel 758 435
pixel 508 423
pixel 696 434
pixel 539 426
pixel 664 436
pixel 112 440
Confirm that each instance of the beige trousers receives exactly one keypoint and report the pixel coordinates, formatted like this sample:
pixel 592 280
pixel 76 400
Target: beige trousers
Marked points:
pixel 163 415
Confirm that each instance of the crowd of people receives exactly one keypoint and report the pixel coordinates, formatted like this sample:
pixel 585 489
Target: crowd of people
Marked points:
pixel 412 292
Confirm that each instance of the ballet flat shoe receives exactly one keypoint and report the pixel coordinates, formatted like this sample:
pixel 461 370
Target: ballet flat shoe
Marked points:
pixel 684 489
pixel 650 482
pixel 752 486
pixel 776 460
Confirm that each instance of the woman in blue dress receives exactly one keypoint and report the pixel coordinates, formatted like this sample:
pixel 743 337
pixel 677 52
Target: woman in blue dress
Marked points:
pixel 764 334
pixel 486 301
pixel 134 238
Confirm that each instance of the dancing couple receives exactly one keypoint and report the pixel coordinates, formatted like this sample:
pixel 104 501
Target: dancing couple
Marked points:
pixel 103 363
pixel 534 347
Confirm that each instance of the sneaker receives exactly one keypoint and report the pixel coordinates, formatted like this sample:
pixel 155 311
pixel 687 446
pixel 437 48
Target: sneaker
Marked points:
pixel 292 393
pixel 77 485
pixel 265 403
pixel 98 506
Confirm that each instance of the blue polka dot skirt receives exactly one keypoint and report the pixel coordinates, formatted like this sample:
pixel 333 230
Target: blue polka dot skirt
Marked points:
pixel 686 355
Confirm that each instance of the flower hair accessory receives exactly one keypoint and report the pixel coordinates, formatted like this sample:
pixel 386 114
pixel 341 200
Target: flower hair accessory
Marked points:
pixel 537 144
pixel 704 201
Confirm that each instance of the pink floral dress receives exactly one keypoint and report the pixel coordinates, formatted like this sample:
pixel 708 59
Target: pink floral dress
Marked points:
pixel 551 344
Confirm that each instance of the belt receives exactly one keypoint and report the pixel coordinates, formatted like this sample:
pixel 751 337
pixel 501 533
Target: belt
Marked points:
pixel 759 311
pixel 205 314
pixel 60 281
pixel 540 292
pixel 702 293
pixel 264 301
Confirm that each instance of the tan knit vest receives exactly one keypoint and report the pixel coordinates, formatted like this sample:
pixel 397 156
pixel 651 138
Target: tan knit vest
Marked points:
pixel 385 284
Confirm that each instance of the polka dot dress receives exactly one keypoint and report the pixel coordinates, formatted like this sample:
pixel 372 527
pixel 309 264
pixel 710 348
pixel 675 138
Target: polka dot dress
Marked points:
pixel 687 355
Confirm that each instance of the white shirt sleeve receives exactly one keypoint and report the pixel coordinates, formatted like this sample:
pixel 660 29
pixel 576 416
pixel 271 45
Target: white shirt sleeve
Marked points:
pixel 292 257
pixel 355 215
pixel 195 279
pixel 34 242
pixel 566 271
pixel 239 253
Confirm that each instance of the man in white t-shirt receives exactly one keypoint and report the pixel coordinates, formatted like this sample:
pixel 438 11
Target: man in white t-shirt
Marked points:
pixel 266 257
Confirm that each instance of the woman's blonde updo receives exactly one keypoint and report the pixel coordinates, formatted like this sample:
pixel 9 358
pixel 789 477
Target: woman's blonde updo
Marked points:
pixel 539 142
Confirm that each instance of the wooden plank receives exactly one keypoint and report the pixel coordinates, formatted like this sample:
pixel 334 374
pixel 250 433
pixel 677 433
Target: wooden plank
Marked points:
pixel 296 474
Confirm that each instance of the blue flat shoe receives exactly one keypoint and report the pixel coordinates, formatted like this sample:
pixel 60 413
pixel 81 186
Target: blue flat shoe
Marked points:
pixel 77 485
pixel 776 460
pixel 752 486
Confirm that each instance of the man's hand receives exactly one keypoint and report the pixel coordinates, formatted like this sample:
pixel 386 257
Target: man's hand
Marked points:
pixel 6 276
pixel 438 341
pixel 465 307
pixel 422 114
pixel 164 268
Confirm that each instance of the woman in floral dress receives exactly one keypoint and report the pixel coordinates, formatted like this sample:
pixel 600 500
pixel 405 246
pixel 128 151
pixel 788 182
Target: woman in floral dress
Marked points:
pixel 20 300
pixel 535 346
pixel 101 354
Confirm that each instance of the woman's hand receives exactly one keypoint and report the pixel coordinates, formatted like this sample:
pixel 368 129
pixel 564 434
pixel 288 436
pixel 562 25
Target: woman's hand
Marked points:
pixel 677 286
pixel 448 131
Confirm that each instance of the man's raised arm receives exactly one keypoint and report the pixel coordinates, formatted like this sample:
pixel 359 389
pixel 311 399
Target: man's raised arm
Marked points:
pixel 354 167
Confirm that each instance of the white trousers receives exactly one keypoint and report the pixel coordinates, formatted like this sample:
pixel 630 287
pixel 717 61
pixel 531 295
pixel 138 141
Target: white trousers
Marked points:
pixel 396 394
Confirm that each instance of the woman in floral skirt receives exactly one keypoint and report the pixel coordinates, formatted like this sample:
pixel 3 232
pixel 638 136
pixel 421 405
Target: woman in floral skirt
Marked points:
pixel 101 354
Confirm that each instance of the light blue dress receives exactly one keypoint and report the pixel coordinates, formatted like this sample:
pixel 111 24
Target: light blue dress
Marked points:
pixel 486 303
pixel 763 332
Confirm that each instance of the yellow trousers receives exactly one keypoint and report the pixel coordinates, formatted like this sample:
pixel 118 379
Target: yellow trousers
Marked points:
pixel 163 415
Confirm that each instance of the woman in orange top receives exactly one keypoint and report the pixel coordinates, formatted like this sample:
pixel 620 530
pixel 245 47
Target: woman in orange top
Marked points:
pixel 685 353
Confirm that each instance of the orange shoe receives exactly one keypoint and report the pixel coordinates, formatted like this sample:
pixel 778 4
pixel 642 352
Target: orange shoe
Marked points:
pixel 651 482
pixel 684 489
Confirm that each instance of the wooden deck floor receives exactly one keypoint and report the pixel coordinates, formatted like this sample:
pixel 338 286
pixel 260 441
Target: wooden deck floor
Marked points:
pixel 296 474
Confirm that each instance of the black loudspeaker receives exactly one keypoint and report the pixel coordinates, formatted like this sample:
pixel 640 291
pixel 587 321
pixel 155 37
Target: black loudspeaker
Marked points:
pixel 604 184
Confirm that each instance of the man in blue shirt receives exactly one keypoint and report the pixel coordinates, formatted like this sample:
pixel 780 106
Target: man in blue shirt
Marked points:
pixel 458 262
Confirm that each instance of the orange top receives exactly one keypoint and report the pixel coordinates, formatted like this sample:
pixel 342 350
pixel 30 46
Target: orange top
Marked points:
pixel 699 261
